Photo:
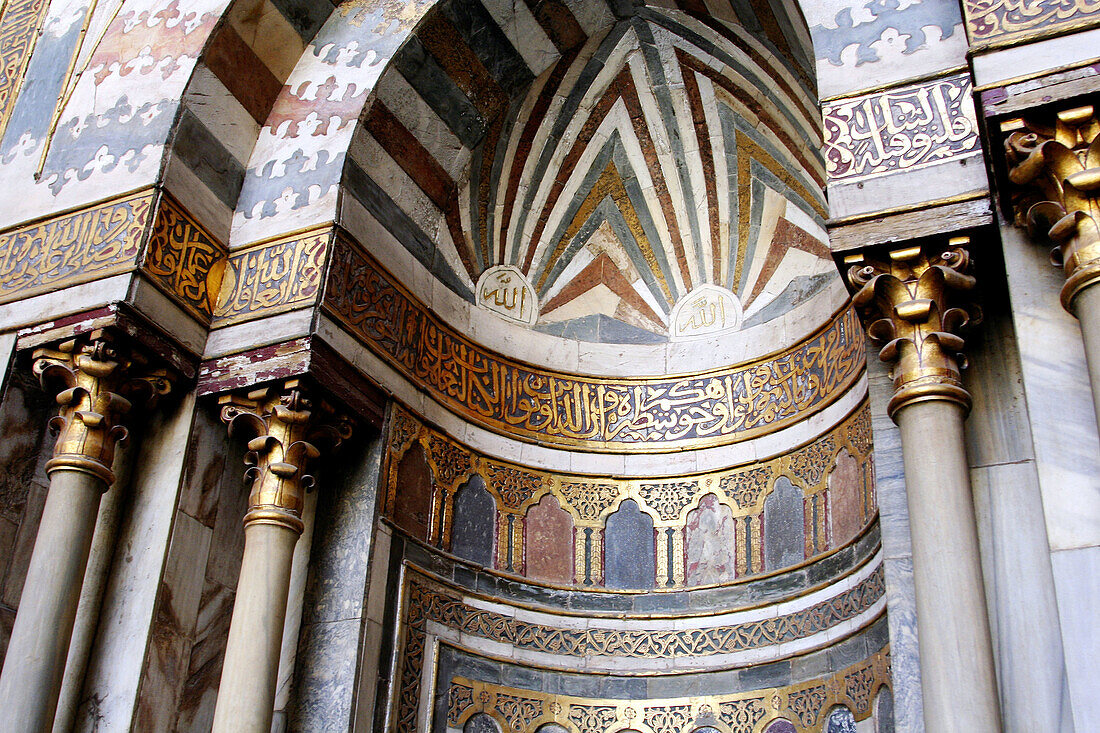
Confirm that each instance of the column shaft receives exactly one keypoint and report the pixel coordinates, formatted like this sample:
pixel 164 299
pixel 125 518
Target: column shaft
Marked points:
pixel 956 657
pixel 1086 306
pixel 247 692
pixel 35 661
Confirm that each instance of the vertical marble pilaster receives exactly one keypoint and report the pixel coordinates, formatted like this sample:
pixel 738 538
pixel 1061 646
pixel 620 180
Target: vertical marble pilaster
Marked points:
pixel 334 621
pixel 1066 449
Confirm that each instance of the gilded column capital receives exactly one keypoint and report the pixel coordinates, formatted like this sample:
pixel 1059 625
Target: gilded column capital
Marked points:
pixel 909 300
pixel 1054 166
pixel 98 378
pixel 287 429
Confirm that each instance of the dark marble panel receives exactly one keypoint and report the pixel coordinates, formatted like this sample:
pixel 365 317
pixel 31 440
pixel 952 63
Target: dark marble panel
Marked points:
pixel 475 517
pixel 208 159
pixel 436 87
pixel 845 500
pixel 204 670
pixel 629 551
pixel 781 726
pixel 306 16
pixel 614 331
pixel 413 505
pixel 7 620
pixel 35 502
pixel 784 530
pixel 549 542
pixel 489 42
pixel 523 678
pixel 775 674
pixel 213 462
pixel 325 676
pixel 840 720
pixel 884 710
pixel 337 579
pixel 481 723
pixel 24 413
pixel 376 201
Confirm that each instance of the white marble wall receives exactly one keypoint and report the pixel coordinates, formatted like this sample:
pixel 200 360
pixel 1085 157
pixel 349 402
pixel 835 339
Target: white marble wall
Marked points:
pixel 901 601
pixel 1067 459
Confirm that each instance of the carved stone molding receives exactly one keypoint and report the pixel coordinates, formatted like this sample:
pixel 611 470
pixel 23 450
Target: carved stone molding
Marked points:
pixel 1054 166
pixel 98 378
pixel 912 300
pixel 287 428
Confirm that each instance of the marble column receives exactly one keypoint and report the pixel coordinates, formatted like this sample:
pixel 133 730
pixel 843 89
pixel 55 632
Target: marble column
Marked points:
pixel 909 299
pixel 286 429
pixel 98 380
pixel 1054 174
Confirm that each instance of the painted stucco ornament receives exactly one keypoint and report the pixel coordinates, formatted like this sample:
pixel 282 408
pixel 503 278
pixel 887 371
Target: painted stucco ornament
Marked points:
pixel 505 291
pixel 706 310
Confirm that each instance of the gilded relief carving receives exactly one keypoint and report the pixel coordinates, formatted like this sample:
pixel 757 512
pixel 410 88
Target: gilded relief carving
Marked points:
pixel 806 704
pixel 72 248
pixel 916 301
pixel 184 260
pixel 287 428
pixel 1055 168
pixel 273 277
pixel 600 414
pixel 899 130
pixel 996 22
pixel 98 379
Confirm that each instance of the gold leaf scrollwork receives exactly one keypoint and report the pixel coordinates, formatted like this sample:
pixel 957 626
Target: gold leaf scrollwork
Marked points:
pixel 914 302
pixel 64 250
pixel 1054 166
pixel 184 260
pixel 287 429
pixel 993 21
pixel 649 414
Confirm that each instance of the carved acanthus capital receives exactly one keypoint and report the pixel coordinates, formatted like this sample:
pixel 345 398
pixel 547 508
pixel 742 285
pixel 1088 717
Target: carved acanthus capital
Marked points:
pixel 287 429
pixel 909 299
pixel 1055 167
pixel 98 378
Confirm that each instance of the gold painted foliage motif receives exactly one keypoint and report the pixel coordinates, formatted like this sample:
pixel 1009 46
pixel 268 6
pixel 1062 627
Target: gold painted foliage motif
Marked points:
pixel 72 248
pixel 520 712
pixel 459 698
pixel 650 414
pixel 992 22
pixel 899 130
pixel 589 500
pixel 746 487
pixel 512 485
pixel 742 489
pixel 668 499
pixel 450 464
pixel 804 704
pixel 812 463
